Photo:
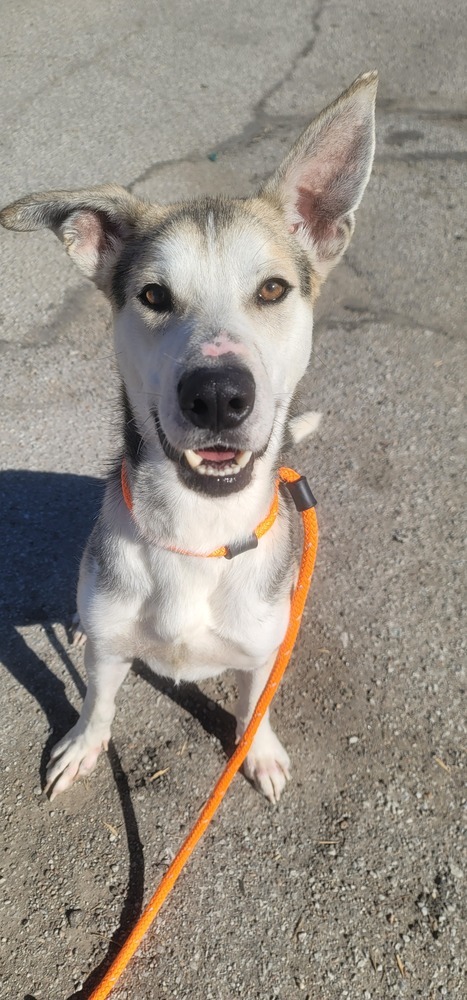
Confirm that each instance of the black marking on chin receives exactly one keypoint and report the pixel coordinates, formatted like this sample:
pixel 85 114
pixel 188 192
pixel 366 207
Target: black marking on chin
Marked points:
pixel 215 486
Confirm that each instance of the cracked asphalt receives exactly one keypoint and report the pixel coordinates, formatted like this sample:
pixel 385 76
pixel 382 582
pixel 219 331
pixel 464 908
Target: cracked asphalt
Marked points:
pixel 354 886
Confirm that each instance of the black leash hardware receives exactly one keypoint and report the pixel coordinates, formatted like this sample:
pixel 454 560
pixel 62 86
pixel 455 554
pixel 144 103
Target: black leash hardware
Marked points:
pixel 301 494
pixel 303 499
pixel 245 545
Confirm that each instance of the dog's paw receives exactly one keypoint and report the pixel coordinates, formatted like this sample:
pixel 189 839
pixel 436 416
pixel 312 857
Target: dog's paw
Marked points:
pixel 77 635
pixel 267 765
pixel 75 756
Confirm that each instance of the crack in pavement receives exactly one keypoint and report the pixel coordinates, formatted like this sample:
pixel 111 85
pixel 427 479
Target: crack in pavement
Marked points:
pixel 385 317
pixel 259 107
pixel 258 128
pixel 460 156
pixel 259 124
pixel 255 129
pixel 392 105
pixel 263 124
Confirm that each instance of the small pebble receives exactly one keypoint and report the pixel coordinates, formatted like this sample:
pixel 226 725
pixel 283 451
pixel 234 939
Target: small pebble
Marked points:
pixel 455 870
pixel 74 917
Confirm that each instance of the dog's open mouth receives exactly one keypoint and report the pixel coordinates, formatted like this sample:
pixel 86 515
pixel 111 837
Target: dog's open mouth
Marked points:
pixel 216 469
pixel 217 461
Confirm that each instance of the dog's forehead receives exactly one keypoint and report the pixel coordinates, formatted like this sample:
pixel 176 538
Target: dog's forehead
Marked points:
pixel 215 240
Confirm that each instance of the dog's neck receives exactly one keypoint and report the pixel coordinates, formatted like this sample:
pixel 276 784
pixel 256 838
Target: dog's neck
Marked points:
pixel 235 547
pixel 168 512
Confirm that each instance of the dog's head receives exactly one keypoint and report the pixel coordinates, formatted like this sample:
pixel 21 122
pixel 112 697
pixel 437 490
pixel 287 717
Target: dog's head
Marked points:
pixel 213 299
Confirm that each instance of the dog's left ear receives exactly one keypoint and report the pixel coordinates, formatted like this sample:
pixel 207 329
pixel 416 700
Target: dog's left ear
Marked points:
pixel 92 223
pixel 321 182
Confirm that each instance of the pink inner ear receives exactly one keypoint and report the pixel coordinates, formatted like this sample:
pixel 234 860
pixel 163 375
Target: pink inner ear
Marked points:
pixel 89 232
pixel 327 184
pixel 316 214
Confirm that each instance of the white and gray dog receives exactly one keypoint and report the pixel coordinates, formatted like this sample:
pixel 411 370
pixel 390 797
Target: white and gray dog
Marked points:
pixel 212 304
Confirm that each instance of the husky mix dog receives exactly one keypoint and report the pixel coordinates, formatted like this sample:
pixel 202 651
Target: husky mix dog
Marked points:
pixel 213 308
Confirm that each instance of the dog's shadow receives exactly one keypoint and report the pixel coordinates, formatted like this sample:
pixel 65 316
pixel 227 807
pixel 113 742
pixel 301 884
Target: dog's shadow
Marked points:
pixel 46 518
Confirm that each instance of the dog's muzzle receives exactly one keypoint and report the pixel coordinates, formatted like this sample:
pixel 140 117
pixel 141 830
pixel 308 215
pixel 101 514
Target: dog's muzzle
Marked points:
pixel 216 401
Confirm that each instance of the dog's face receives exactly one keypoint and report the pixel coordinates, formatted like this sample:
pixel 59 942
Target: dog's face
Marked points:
pixel 213 299
pixel 213 324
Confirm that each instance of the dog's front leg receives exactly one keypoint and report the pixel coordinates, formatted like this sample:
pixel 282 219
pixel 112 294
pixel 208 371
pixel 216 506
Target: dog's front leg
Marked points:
pixel 76 754
pixel 267 764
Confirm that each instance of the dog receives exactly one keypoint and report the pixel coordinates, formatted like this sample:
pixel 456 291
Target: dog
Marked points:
pixel 213 310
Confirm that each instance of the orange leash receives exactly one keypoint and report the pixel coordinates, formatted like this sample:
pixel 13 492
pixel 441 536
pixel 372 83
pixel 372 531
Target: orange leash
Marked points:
pixel 303 499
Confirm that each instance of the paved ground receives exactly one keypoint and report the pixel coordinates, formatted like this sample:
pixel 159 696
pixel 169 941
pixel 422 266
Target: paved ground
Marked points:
pixel 354 887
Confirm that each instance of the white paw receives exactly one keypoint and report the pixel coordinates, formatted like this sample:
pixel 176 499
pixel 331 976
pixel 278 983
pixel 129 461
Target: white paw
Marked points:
pixel 77 633
pixel 75 756
pixel 267 765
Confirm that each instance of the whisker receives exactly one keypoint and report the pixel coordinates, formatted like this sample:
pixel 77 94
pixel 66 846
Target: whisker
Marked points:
pixel 176 361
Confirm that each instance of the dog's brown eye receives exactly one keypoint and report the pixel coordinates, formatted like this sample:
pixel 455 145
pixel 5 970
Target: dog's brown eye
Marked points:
pixel 157 297
pixel 273 290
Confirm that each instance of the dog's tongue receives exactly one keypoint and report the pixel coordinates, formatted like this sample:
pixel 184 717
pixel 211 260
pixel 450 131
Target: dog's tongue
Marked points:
pixel 216 456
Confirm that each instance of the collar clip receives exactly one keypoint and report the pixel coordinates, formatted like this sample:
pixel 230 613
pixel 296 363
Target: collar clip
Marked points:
pixel 237 548
pixel 301 494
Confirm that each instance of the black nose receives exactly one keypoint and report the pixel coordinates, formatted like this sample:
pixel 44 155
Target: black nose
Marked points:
pixel 217 400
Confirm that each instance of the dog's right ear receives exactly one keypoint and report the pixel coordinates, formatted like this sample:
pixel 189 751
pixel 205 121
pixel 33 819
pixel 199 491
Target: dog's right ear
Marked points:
pixel 320 184
pixel 92 223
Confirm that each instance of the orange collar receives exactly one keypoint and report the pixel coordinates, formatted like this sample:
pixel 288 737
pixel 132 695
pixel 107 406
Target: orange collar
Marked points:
pixel 226 551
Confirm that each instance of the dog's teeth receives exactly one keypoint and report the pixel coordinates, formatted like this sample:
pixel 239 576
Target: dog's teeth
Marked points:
pixel 193 459
pixel 242 458
pixel 225 470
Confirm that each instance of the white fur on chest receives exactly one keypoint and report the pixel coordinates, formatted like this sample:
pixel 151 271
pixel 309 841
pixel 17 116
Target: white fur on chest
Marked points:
pixel 175 629
pixel 187 618
pixel 208 618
